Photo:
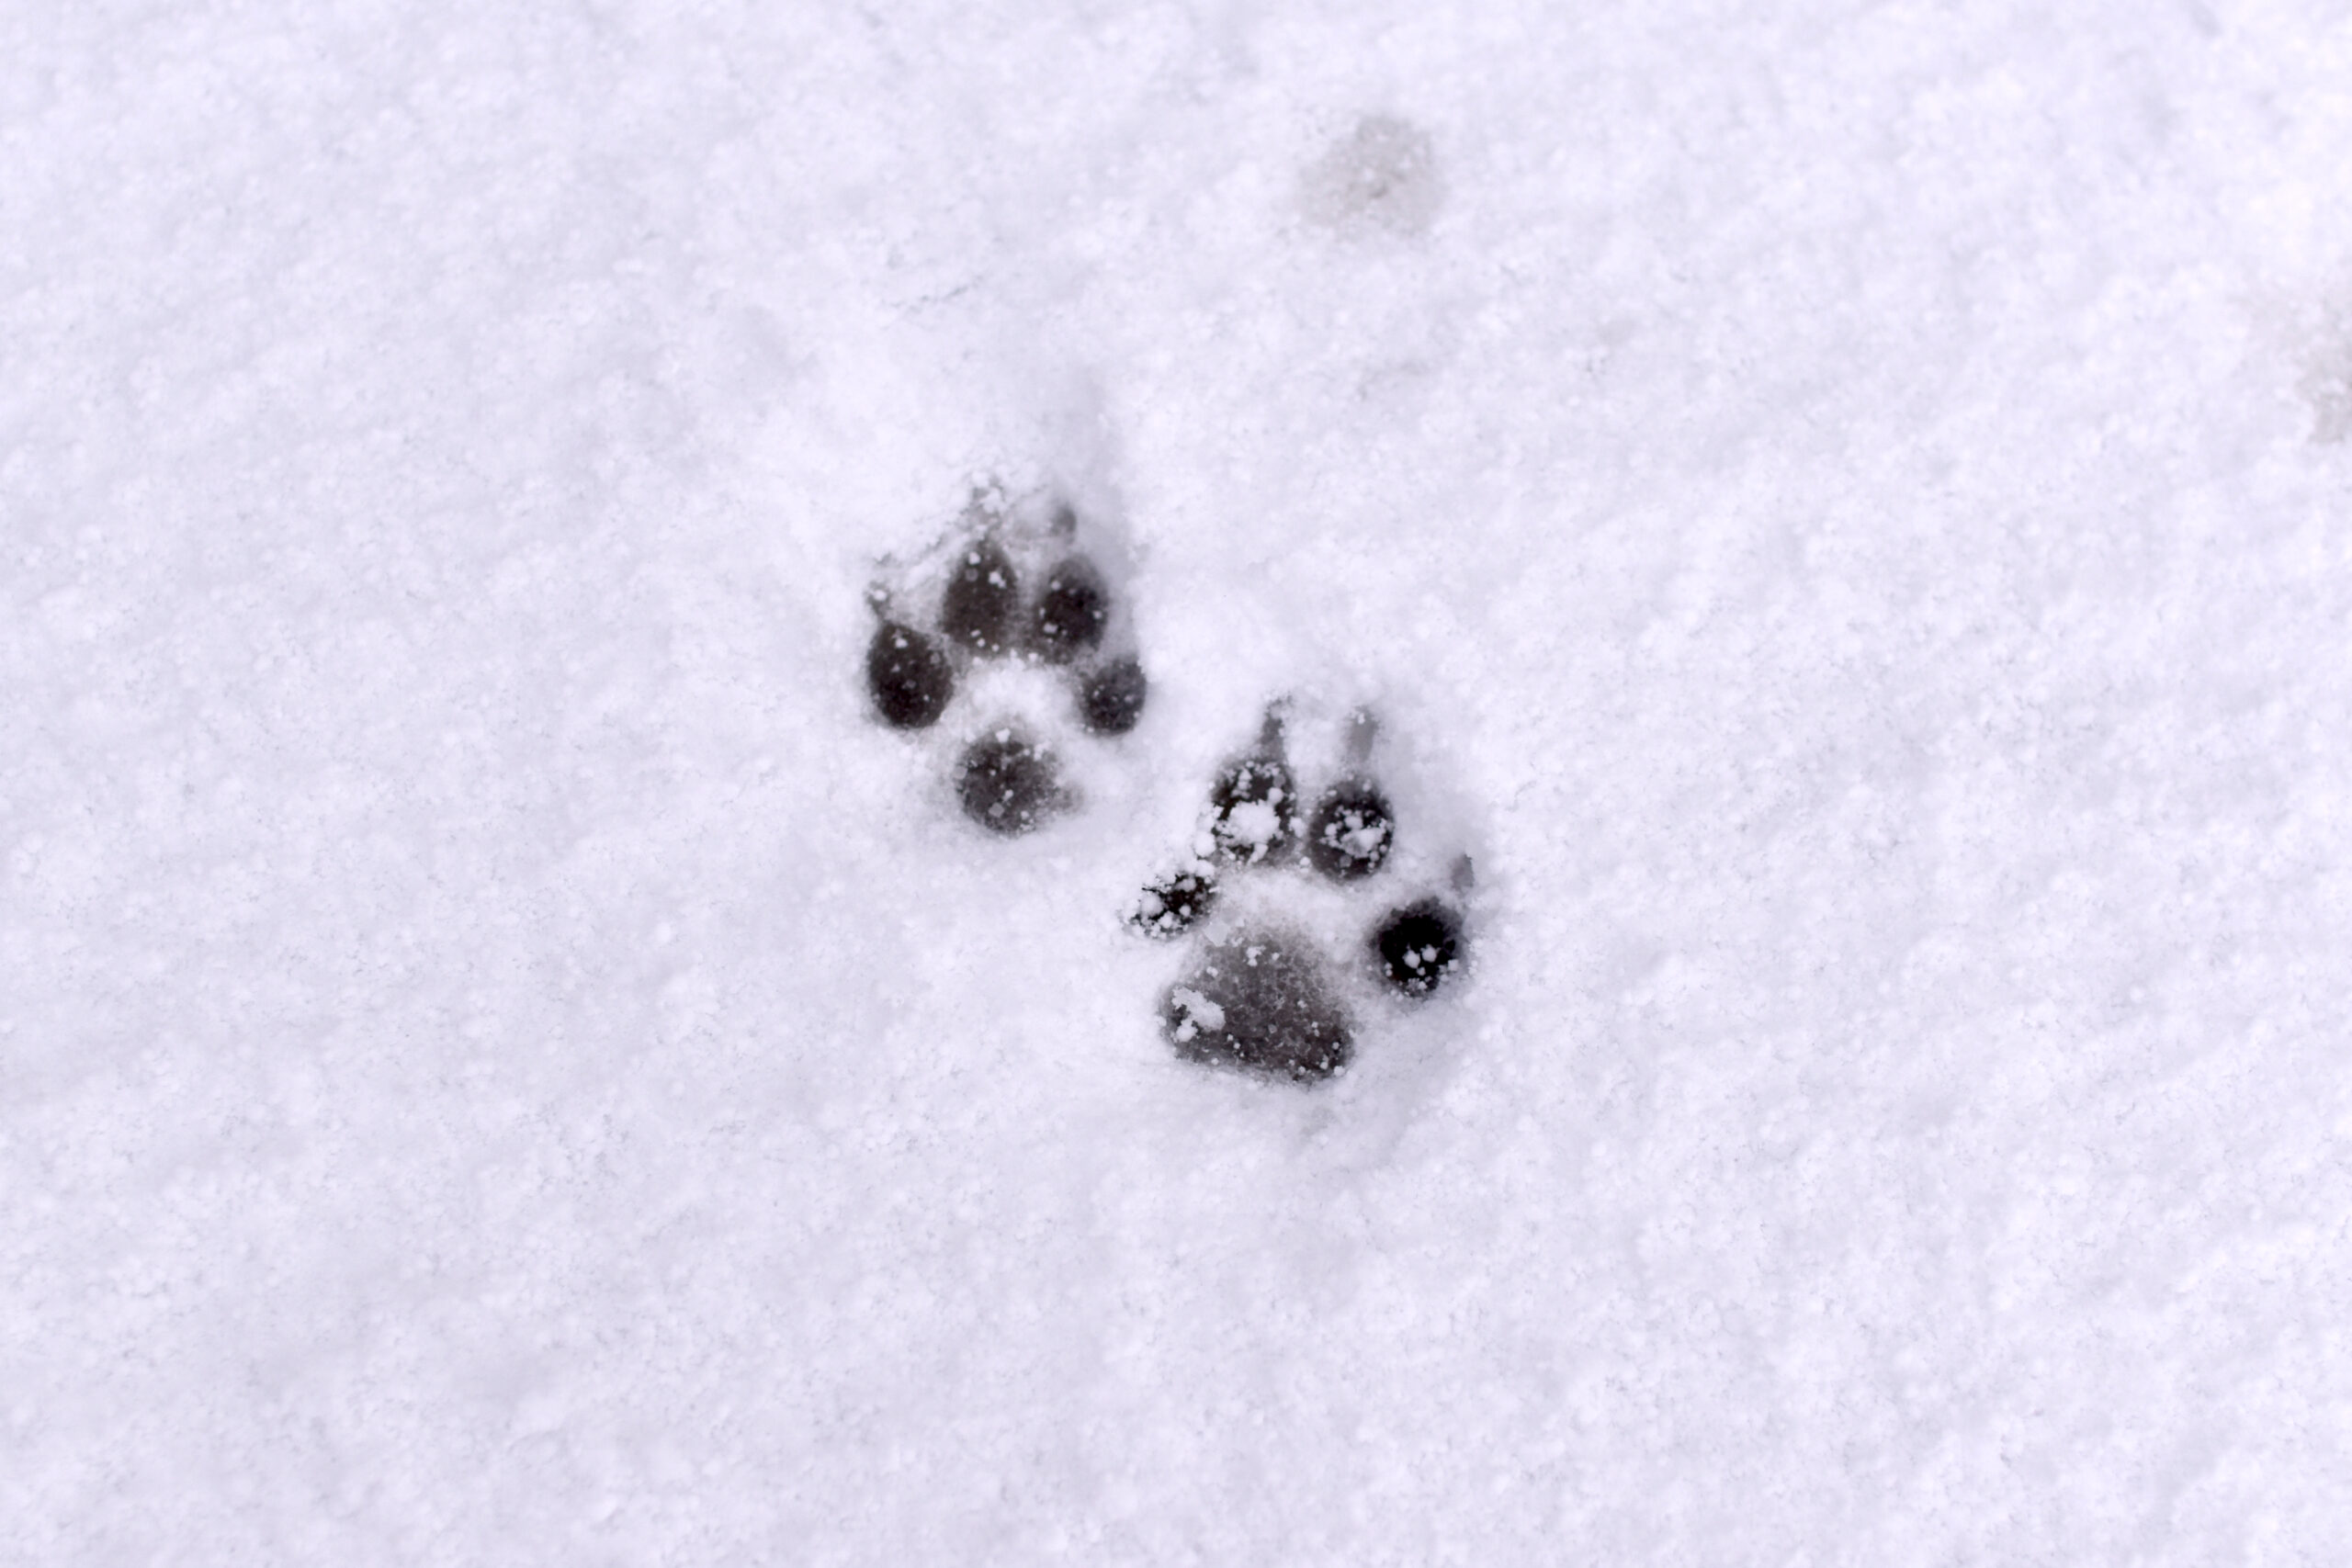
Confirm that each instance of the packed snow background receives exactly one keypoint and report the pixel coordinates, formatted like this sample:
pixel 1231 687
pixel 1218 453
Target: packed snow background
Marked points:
pixel 502 1061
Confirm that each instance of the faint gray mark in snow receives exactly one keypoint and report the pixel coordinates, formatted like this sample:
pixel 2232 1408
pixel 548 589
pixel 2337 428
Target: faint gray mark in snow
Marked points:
pixel 1381 177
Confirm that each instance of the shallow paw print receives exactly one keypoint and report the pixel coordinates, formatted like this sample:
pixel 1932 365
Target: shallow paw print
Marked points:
pixel 1013 603
pixel 1284 903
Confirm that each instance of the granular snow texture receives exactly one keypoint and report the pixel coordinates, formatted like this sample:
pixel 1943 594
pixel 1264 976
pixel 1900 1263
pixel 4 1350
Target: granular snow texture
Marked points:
pixel 1845 509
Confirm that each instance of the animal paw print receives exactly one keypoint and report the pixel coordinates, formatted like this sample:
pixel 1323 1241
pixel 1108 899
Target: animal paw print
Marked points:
pixel 1009 599
pixel 1275 882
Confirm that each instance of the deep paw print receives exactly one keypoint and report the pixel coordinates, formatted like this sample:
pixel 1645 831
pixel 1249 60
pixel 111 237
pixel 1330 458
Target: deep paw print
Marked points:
pixel 1010 594
pixel 1296 907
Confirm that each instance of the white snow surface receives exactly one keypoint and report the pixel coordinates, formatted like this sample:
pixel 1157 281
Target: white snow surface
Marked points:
pixel 502 1061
